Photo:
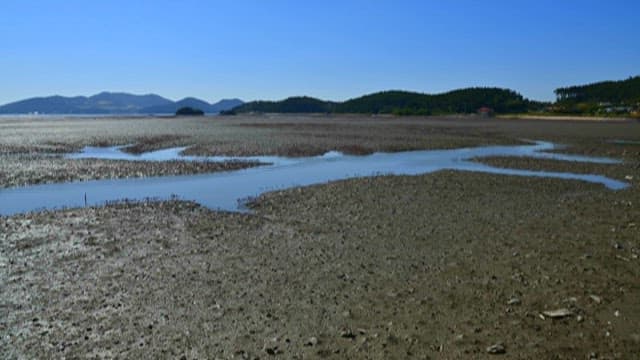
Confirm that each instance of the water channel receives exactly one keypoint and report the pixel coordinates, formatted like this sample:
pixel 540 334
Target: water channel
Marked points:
pixel 225 190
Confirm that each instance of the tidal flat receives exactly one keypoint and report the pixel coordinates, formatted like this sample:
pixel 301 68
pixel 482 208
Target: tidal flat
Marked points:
pixel 443 265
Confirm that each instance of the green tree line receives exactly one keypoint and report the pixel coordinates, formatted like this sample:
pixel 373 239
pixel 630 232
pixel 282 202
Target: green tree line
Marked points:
pixel 602 98
pixel 403 103
pixel 616 92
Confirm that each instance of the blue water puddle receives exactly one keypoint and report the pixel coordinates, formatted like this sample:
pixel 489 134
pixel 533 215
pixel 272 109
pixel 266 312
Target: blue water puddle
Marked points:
pixel 223 190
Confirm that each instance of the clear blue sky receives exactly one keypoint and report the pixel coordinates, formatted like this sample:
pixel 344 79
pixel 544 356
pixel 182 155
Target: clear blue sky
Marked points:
pixel 329 49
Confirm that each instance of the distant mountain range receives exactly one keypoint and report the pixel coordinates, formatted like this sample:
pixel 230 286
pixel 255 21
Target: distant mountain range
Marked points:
pixel 113 103
pixel 602 98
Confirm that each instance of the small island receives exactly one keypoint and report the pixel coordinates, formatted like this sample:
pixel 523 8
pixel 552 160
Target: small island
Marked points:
pixel 189 111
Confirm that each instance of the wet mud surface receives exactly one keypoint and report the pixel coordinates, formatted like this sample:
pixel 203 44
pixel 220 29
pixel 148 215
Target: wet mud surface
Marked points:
pixel 23 170
pixel 444 265
pixel 441 265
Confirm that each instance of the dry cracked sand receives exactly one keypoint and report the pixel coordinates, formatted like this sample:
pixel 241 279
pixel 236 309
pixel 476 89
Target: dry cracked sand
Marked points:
pixel 445 265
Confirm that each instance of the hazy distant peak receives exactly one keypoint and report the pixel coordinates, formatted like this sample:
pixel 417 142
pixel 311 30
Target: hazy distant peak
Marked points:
pixel 227 104
pixel 107 102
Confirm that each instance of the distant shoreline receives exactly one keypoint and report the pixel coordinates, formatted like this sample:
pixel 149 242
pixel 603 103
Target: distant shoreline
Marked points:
pixel 500 116
pixel 565 118
pixel 88 116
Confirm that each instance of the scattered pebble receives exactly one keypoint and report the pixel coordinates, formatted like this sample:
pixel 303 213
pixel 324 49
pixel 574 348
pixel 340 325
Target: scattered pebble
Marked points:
pixel 347 333
pixel 514 301
pixel 496 349
pixel 313 341
pixel 557 314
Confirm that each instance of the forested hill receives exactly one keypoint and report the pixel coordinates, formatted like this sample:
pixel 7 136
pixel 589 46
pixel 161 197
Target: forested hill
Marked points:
pixel 403 103
pixel 299 104
pixel 457 101
pixel 625 92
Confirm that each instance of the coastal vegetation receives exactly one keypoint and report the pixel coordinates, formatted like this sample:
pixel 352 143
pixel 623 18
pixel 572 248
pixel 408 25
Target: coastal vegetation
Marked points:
pixel 602 98
pixel 296 104
pixel 403 103
pixel 189 111
pixel 608 98
pixel 463 101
